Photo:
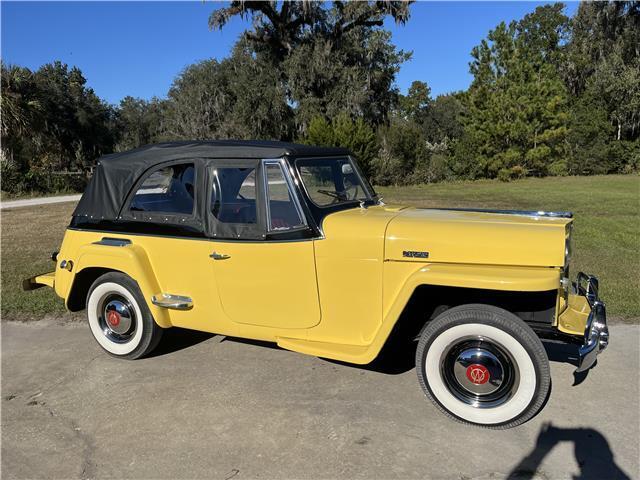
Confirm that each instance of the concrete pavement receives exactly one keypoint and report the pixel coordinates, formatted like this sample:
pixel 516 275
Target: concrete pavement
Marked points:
pixel 209 407
pixel 30 202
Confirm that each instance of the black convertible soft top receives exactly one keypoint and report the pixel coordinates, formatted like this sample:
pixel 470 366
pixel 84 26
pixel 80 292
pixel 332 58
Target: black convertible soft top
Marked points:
pixel 116 174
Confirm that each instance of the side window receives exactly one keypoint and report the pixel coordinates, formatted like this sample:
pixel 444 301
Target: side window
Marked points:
pixel 233 196
pixel 284 213
pixel 167 190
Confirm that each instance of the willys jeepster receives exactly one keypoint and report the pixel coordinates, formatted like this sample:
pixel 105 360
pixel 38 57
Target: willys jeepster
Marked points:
pixel 290 244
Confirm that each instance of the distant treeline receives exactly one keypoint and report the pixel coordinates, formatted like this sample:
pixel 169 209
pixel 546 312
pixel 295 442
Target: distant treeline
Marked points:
pixel 551 95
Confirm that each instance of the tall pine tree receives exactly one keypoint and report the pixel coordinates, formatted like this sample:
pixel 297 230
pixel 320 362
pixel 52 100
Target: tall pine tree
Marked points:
pixel 516 116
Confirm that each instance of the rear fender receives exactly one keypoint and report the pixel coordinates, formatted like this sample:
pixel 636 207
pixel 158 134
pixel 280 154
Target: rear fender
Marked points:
pixel 129 259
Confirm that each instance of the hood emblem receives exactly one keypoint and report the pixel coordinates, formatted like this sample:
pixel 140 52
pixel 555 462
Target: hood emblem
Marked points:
pixel 414 254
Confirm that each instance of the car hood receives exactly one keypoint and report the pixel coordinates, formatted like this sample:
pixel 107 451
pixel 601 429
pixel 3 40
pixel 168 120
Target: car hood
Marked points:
pixel 476 237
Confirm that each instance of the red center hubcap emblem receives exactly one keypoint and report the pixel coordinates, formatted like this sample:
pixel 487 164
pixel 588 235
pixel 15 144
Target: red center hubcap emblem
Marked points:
pixel 113 318
pixel 478 374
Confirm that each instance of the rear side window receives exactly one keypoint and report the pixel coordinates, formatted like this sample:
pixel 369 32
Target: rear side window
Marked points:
pixel 233 195
pixel 167 190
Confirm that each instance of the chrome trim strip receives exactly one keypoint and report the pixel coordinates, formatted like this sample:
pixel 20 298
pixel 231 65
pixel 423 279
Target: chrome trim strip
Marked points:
pixel 525 213
pixel 174 302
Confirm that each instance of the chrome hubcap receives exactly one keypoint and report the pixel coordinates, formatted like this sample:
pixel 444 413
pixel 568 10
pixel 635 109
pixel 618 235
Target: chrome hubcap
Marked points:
pixel 479 372
pixel 117 318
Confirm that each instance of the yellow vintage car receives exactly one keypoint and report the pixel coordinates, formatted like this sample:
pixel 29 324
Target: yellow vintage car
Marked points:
pixel 290 244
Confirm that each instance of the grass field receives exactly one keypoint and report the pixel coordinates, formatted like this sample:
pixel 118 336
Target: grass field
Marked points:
pixel 606 233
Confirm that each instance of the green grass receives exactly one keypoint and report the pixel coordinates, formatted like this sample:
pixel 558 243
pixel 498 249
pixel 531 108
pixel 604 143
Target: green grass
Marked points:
pixel 606 233
pixel 29 235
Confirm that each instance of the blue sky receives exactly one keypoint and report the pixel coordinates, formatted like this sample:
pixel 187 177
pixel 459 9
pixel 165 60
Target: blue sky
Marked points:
pixel 137 48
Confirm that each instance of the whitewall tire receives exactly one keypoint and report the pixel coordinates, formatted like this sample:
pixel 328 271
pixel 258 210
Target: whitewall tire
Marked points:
pixel 119 318
pixel 482 365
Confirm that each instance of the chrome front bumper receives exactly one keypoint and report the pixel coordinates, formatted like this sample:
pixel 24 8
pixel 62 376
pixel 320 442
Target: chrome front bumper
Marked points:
pixel 596 332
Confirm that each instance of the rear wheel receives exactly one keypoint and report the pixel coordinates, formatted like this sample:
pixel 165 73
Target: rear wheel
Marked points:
pixel 119 318
pixel 483 365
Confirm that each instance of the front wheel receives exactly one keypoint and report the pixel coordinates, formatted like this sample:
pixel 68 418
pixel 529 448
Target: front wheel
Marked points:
pixel 119 318
pixel 482 365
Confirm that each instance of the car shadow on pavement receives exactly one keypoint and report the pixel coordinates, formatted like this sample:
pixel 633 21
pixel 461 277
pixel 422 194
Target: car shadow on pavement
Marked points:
pixel 565 353
pixel 175 339
pixel 591 449
pixel 395 358
pixel 561 352
pixel 250 341
pixel 398 356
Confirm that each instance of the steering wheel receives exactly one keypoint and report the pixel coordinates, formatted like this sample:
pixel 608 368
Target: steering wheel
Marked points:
pixel 349 193
pixel 337 196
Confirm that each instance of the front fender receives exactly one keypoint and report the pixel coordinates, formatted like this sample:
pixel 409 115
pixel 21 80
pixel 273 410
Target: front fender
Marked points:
pixel 488 277
pixel 131 259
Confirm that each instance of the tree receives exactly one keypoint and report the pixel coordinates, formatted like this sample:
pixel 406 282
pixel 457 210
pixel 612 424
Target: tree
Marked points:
pixel 20 107
pixel 598 30
pixel 51 123
pixel 238 97
pixel 604 56
pixel 280 32
pixel 78 122
pixel 139 122
pixel 198 102
pixel 602 73
pixel 18 102
pixel 415 105
pixel 345 132
pixel 403 150
pixel 516 115
pixel 328 59
pixel 589 137
pixel 442 123
pixel 260 108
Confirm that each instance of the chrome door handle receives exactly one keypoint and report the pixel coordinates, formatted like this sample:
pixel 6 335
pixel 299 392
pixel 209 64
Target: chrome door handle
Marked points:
pixel 219 256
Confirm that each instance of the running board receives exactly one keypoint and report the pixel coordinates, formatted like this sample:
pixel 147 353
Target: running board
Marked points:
pixel 173 302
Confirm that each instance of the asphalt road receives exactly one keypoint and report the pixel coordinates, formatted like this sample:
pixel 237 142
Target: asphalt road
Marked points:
pixel 30 202
pixel 210 407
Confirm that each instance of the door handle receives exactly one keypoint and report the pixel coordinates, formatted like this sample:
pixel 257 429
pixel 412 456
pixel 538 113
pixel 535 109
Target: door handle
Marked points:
pixel 219 256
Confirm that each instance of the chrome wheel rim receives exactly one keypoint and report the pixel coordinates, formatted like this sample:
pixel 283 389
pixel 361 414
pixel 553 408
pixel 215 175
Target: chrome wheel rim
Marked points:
pixel 117 318
pixel 479 372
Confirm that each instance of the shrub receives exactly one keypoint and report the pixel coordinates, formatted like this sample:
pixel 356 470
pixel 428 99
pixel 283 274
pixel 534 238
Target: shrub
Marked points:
pixel 343 131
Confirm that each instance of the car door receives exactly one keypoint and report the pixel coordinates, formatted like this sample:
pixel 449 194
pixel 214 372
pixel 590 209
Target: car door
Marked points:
pixel 262 278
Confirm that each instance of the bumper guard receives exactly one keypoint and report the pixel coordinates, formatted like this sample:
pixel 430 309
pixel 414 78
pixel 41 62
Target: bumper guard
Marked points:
pixel 596 332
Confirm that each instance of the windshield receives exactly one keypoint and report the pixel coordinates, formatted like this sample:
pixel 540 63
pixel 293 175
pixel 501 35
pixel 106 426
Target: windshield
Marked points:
pixel 332 181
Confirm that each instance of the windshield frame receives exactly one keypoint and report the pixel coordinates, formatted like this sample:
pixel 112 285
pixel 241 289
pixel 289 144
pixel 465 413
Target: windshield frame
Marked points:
pixel 371 196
